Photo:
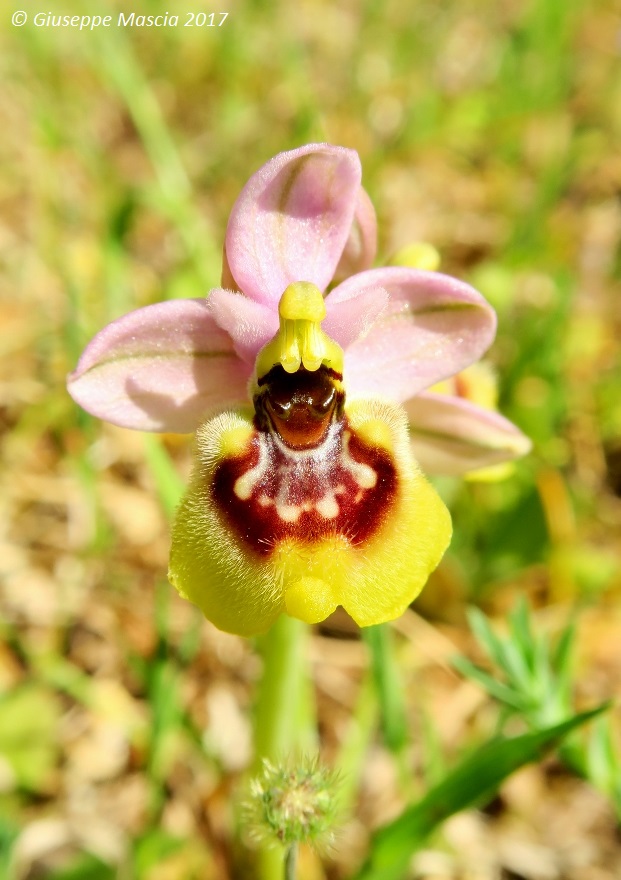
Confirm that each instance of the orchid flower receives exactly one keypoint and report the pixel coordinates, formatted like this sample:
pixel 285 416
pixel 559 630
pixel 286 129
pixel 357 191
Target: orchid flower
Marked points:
pixel 310 403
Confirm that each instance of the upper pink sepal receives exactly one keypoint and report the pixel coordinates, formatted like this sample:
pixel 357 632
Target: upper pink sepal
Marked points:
pixel 433 327
pixel 227 282
pixel 450 435
pixel 361 246
pixel 164 367
pixel 292 221
pixel 250 324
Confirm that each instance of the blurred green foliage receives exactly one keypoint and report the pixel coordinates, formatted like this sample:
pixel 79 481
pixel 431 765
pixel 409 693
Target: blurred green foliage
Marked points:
pixel 491 130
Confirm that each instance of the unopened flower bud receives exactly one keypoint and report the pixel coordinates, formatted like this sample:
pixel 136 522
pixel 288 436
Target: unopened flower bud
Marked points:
pixel 417 255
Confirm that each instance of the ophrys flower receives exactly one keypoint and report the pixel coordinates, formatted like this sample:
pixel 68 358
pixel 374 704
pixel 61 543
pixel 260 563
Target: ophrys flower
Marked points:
pixel 305 494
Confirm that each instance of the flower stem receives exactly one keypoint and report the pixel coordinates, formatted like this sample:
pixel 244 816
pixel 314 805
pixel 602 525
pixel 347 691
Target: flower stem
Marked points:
pixel 291 860
pixel 279 716
pixel 278 709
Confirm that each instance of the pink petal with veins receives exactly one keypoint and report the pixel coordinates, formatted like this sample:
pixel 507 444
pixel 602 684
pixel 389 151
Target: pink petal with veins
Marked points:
pixel 249 324
pixel 292 220
pixel 450 435
pixel 160 368
pixel 351 313
pixel 432 328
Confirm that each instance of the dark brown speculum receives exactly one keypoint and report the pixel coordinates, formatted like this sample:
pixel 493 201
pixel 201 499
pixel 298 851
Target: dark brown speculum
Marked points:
pixel 299 406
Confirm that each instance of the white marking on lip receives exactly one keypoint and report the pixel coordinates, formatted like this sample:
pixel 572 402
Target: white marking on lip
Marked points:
pixel 362 473
pixel 328 506
pixel 245 484
pixel 288 512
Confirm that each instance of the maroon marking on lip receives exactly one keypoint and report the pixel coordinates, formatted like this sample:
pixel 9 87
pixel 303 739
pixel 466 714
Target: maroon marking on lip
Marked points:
pixel 302 478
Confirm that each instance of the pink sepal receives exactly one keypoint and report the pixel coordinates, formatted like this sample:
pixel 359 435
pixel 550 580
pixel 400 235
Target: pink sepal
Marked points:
pixel 432 328
pixel 450 435
pixel 160 368
pixel 361 246
pixel 292 220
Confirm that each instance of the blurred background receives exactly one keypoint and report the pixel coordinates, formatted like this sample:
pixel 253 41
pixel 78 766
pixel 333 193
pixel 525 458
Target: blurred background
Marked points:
pixel 492 131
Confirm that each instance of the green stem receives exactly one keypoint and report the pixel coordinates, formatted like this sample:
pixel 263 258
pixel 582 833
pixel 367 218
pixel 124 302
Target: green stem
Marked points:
pixel 278 714
pixel 291 860
pixel 277 711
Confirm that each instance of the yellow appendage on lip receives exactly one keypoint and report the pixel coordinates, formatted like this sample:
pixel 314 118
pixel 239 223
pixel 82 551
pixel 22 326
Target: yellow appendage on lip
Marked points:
pixel 234 441
pixel 376 433
pixel 310 599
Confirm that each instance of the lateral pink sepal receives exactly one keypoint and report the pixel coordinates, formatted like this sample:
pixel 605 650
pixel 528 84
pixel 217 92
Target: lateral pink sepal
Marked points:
pixel 351 313
pixel 164 367
pixel 450 435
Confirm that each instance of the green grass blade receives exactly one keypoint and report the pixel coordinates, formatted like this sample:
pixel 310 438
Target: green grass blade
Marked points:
pixel 389 686
pixel 494 688
pixel 116 63
pixel 169 485
pixel 473 781
pixel 506 656
pixel 522 632
pixel 354 749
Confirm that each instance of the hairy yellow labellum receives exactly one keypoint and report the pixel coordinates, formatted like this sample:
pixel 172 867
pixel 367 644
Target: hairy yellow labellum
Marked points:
pixel 267 529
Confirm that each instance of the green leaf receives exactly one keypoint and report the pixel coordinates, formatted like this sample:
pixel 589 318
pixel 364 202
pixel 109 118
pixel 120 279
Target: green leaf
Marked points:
pixel 562 663
pixel 502 651
pixel 522 633
pixel 9 832
pixel 602 759
pixel 474 780
pixel 153 849
pixel 485 636
pixel 87 867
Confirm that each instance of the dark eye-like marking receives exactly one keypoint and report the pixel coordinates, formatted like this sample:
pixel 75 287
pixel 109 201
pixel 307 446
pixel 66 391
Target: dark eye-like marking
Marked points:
pixel 322 404
pixel 281 408
pixel 300 405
